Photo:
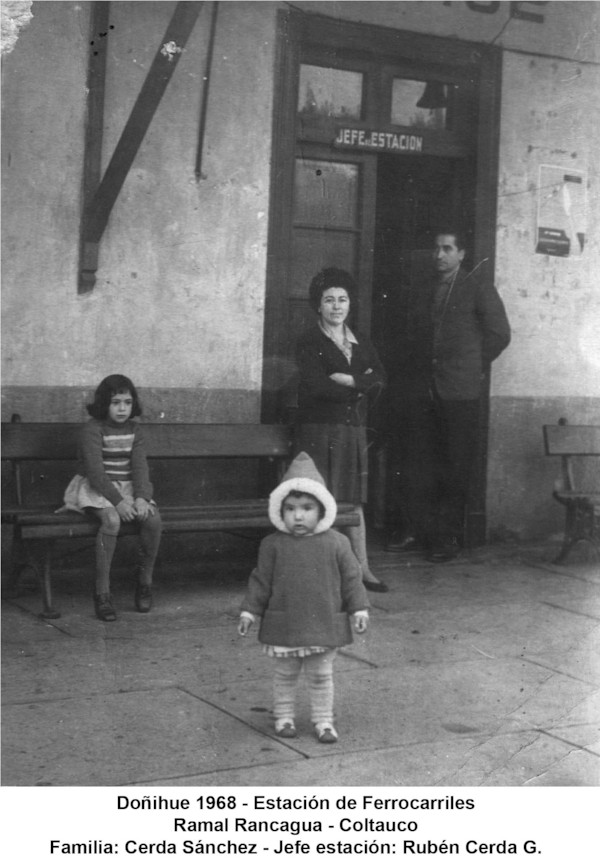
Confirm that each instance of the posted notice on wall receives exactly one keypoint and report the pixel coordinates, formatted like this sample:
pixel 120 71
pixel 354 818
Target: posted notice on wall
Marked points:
pixel 537 826
pixel 562 212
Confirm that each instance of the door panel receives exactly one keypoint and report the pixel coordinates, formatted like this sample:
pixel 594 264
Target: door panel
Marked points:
pixel 326 193
pixel 414 197
pixel 314 249
pixel 332 225
pixel 325 91
pixel 333 222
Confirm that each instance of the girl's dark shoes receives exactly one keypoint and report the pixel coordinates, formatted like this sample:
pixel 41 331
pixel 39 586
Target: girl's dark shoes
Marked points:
pixel 143 598
pixel 104 608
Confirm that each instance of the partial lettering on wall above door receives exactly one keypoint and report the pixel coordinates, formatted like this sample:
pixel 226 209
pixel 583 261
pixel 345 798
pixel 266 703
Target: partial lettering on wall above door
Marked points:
pixel 516 9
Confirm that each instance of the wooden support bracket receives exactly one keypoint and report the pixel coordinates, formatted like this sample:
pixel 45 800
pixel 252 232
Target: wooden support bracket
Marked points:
pixel 92 154
pixel 99 204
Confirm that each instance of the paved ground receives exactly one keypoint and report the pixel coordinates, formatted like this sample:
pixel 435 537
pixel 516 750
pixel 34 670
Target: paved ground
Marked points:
pixel 483 672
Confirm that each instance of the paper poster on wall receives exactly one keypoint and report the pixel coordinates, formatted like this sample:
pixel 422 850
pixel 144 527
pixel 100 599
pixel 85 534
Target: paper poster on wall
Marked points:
pixel 561 218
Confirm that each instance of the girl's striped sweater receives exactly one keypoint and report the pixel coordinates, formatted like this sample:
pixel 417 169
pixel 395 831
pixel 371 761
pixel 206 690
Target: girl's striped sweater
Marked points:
pixel 114 452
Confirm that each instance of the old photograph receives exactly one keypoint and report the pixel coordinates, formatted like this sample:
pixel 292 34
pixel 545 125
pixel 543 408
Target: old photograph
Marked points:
pixel 300 399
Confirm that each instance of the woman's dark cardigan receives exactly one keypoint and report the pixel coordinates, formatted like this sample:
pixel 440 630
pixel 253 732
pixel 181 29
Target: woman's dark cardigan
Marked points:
pixel 323 401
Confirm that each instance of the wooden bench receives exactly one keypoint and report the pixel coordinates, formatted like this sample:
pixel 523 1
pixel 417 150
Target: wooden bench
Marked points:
pixel 578 492
pixel 27 446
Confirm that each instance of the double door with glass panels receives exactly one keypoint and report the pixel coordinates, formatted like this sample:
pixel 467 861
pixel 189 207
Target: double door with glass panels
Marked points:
pixel 379 135
pixel 359 133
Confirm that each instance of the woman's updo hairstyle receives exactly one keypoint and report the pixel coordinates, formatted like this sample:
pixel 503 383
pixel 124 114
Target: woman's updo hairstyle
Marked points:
pixel 326 279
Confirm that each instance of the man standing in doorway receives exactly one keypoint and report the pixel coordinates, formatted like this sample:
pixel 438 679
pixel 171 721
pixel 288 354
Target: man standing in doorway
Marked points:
pixel 457 327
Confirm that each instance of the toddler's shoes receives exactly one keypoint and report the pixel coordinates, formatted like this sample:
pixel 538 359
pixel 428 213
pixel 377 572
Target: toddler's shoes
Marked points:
pixel 285 728
pixel 326 734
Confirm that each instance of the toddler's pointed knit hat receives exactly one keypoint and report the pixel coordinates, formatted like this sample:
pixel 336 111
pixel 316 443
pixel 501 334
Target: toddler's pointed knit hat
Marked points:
pixel 302 475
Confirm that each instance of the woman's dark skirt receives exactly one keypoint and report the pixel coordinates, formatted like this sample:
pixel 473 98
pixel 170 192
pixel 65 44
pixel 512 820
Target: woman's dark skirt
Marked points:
pixel 340 454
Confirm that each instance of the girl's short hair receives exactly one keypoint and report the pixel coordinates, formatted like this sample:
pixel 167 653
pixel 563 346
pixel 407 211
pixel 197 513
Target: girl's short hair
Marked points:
pixel 116 383
pixel 327 279
pixel 304 494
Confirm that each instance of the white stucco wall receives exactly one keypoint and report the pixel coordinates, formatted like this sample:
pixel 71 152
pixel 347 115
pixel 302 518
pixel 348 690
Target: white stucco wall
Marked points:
pixel 550 116
pixel 180 288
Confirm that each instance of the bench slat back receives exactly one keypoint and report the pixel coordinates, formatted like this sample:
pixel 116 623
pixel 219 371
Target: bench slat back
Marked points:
pixel 572 439
pixel 58 441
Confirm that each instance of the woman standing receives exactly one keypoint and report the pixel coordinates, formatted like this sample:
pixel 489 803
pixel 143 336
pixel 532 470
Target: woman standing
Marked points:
pixel 339 370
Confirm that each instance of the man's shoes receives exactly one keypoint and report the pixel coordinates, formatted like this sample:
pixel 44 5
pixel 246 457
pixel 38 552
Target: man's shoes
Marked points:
pixel 104 608
pixel 443 553
pixel 406 544
pixel 375 586
pixel 143 598
pixel 326 734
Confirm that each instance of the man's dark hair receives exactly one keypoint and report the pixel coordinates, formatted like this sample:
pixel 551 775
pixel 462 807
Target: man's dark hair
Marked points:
pixel 459 235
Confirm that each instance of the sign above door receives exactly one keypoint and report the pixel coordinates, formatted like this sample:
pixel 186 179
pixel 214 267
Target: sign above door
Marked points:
pixel 356 138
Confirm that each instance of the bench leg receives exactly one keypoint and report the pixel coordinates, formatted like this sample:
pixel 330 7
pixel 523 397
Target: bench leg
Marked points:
pixel 571 533
pixel 592 528
pixel 581 524
pixel 564 552
pixel 48 612
pixel 20 560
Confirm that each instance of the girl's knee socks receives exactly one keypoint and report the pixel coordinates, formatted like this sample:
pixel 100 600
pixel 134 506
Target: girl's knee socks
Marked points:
pixel 150 533
pixel 105 549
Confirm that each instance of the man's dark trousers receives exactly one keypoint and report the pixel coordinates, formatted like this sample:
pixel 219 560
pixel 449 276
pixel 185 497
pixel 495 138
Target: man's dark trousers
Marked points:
pixel 436 441
pixel 454 439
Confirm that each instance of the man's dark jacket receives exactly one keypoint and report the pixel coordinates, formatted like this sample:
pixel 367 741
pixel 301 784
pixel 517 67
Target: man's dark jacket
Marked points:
pixel 472 331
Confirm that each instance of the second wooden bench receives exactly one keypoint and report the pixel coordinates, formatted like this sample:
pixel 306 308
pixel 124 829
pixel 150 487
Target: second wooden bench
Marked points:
pixel 579 492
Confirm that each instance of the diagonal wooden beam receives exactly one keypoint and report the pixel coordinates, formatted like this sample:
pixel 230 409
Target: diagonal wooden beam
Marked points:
pixel 159 75
pixel 206 80
pixel 160 72
pixel 92 152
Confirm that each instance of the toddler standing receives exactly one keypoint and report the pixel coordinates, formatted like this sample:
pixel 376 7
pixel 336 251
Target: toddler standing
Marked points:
pixel 306 588
pixel 114 485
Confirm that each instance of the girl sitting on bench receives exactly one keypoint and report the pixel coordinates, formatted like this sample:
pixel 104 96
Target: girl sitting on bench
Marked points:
pixel 114 485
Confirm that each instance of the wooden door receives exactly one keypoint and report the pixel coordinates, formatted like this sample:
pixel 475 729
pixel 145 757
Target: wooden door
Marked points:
pixel 349 96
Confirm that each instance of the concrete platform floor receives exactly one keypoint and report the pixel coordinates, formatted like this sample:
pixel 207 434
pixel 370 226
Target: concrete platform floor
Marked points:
pixel 481 672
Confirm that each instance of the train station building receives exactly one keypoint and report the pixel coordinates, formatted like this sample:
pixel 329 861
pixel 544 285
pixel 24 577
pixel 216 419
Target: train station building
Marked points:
pixel 175 173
